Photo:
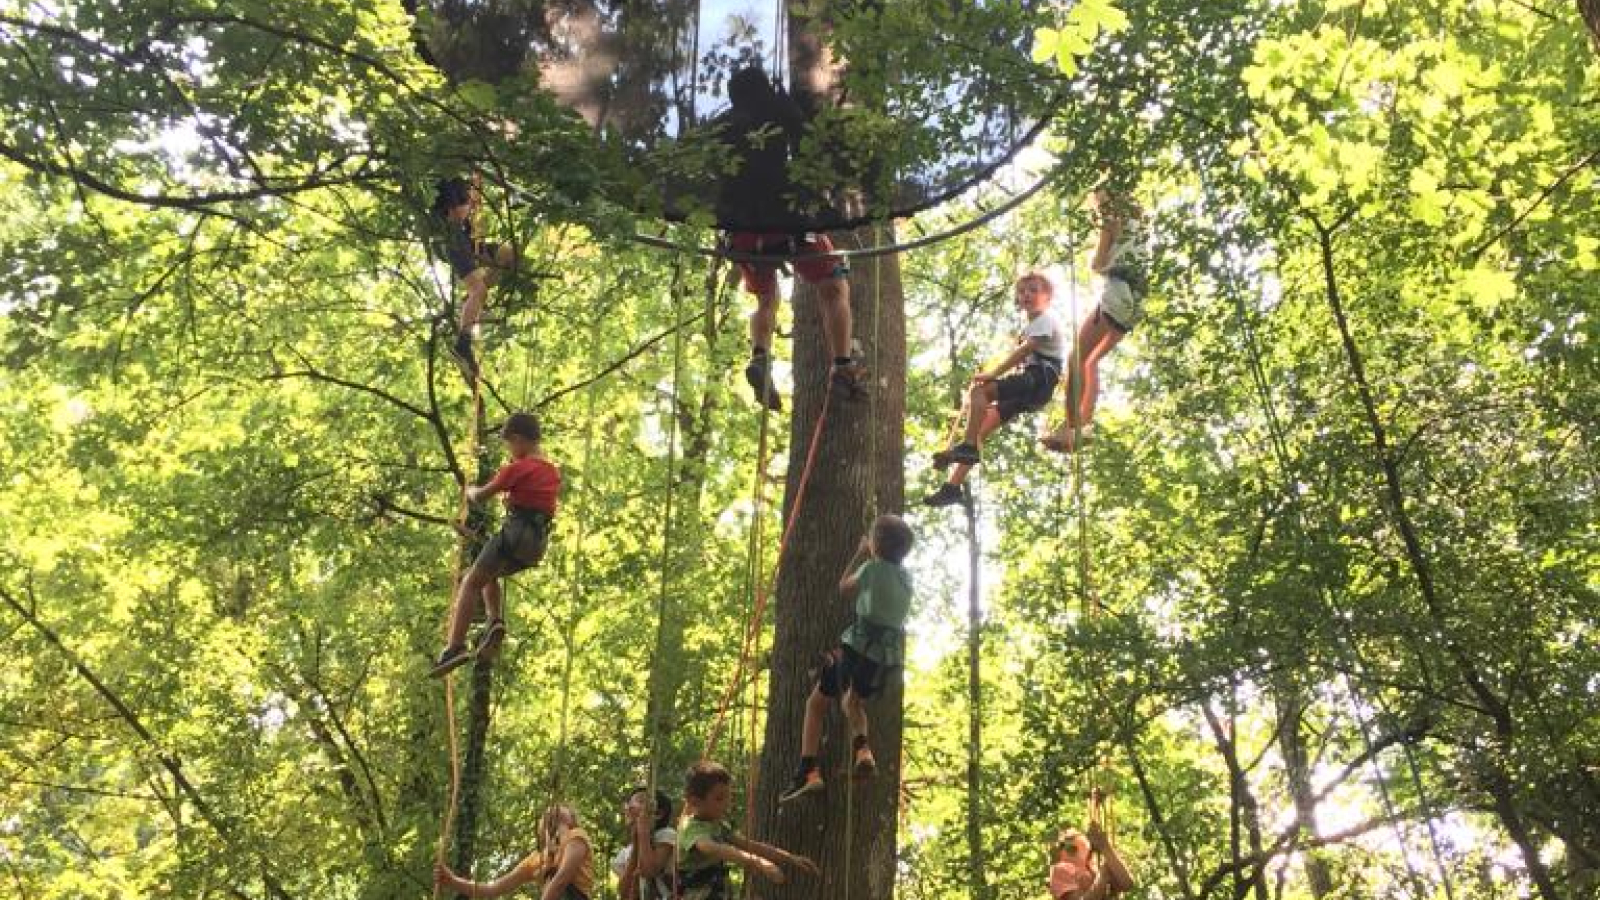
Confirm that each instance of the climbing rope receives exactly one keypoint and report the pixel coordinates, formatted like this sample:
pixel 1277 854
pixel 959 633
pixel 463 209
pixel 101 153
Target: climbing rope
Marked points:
pixel 463 510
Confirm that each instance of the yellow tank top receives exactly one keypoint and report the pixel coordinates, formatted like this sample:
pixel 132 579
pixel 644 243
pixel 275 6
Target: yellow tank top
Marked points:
pixel 547 863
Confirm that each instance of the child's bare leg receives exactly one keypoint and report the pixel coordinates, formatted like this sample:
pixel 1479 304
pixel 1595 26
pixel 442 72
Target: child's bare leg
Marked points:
pixel 833 299
pixel 855 712
pixel 1091 374
pixel 491 599
pixel 477 288
pixel 764 321
pixel 981 396
pixel 472 587
pixel 811 730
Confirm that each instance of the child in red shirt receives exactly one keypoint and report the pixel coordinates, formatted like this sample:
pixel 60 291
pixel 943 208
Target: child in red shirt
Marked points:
pixel 1074 875
pixel 531 483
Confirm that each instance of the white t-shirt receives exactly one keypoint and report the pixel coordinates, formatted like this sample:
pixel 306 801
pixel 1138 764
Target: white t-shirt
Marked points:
pixel 657 888
pixel 1052 340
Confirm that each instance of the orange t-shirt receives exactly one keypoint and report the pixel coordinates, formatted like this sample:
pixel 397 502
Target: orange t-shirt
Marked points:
pixel 532 482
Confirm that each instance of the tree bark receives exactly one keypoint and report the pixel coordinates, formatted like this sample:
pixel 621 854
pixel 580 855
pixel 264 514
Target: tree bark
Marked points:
pixel 1297 771
pixel 1590 9
pixel 857 472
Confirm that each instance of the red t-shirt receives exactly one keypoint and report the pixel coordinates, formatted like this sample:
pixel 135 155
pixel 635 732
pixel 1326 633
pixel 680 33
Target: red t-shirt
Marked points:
pixel 529 483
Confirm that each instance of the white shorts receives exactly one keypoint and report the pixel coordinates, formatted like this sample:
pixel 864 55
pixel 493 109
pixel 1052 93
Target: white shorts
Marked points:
pixel 1119 301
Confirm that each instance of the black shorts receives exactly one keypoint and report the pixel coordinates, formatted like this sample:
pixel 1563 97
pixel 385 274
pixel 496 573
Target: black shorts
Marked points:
pixel 519 544
pixel 467 257
pixel 1025 392
pixel 843 668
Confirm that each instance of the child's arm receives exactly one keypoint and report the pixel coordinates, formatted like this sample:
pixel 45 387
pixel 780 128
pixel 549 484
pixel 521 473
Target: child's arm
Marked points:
pixel 648 859
pixel 776 855
pixel 1111 867
pixel 501 482
pixel 732 854
pixel 500 887
pixel 1025 349
pixel 572 860
pixel 849 583
pixel 1110 230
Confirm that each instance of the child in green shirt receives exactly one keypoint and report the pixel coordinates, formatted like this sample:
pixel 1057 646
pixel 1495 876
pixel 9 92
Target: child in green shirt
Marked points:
pixel 708 845
pixel 871 648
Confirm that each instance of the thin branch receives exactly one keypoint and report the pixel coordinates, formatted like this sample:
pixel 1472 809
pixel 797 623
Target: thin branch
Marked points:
pixel 1537 202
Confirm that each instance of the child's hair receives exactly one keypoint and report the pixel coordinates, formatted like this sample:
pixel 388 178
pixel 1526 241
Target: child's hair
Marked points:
pixel 703 777
pixel 750 88
pixel 1069 838
pixel 891 538
pixel 663 806
pixel 556 816
pixel 451 193
pixel 1039 278
pixel 521 424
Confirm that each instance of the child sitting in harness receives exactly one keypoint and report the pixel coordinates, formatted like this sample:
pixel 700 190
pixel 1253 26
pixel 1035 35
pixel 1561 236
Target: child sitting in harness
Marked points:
pixel 708 845
pixel 869 650
pixel 1121 257
pixel 531 483
pixel 477 263
pixel 761 128
pixel 1073 873
pixel 1001 394
pixel 564 866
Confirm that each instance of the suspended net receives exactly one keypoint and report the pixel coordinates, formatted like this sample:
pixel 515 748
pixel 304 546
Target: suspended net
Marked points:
pixel 749 115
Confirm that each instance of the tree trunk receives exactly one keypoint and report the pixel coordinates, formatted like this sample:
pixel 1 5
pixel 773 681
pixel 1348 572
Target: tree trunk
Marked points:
pixel 857 472
pixel 1297 770
pixel 1591 17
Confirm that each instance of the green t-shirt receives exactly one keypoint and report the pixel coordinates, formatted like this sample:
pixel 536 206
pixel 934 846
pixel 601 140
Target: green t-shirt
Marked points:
pixel 696 830
pixel 883 601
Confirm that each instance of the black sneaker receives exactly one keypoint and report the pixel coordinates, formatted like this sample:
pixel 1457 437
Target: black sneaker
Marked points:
pixel 759 376
pixel 489 641
pixel 849 381
pixel 947 495
pixel 450 659
pixel 942 460
pixel 807 782
pixel 963 454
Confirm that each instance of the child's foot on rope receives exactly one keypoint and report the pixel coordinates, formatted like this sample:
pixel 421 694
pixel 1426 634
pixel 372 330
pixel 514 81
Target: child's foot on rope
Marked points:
pixel 807 782
pixel 849 380
pixel 450 659
pixel 947 495
pixel 865 766
pixel 489 641
pixel 759 376
pixel 1065 440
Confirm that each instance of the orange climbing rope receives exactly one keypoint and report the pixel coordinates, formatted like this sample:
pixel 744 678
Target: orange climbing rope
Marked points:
pixel 763 588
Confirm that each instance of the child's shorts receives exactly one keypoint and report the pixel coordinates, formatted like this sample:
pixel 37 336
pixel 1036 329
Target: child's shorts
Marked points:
pixel 519 544
pixel 1027 391
pixel 761 278
pixel 844 668
pixel 1121 304
pixel 466 258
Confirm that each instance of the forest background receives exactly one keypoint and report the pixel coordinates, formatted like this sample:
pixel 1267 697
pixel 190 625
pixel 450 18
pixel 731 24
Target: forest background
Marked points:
pixel 1341 508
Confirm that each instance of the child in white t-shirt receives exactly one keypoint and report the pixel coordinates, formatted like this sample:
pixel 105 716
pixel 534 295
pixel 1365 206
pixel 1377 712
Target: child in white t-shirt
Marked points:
pixel 1023 382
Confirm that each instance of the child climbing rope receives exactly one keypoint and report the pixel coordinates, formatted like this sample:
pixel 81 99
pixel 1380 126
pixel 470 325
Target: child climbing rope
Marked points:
pixel 708 845
pixel 644 864
pixel 997 397
pixel 1074 874
pixel 564 866
pixel 869 650
pixel 1121 257
pixel 531 483
pixel 478 264
pixel 761 128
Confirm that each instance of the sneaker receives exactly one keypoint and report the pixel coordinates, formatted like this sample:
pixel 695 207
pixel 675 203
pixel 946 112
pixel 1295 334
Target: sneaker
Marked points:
pixel 810 782
pixel 866 766
pixel 450 659
pixel 850 381
pixel 489 641
pixel 758 374
pixel 947 495
pixel 963 454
